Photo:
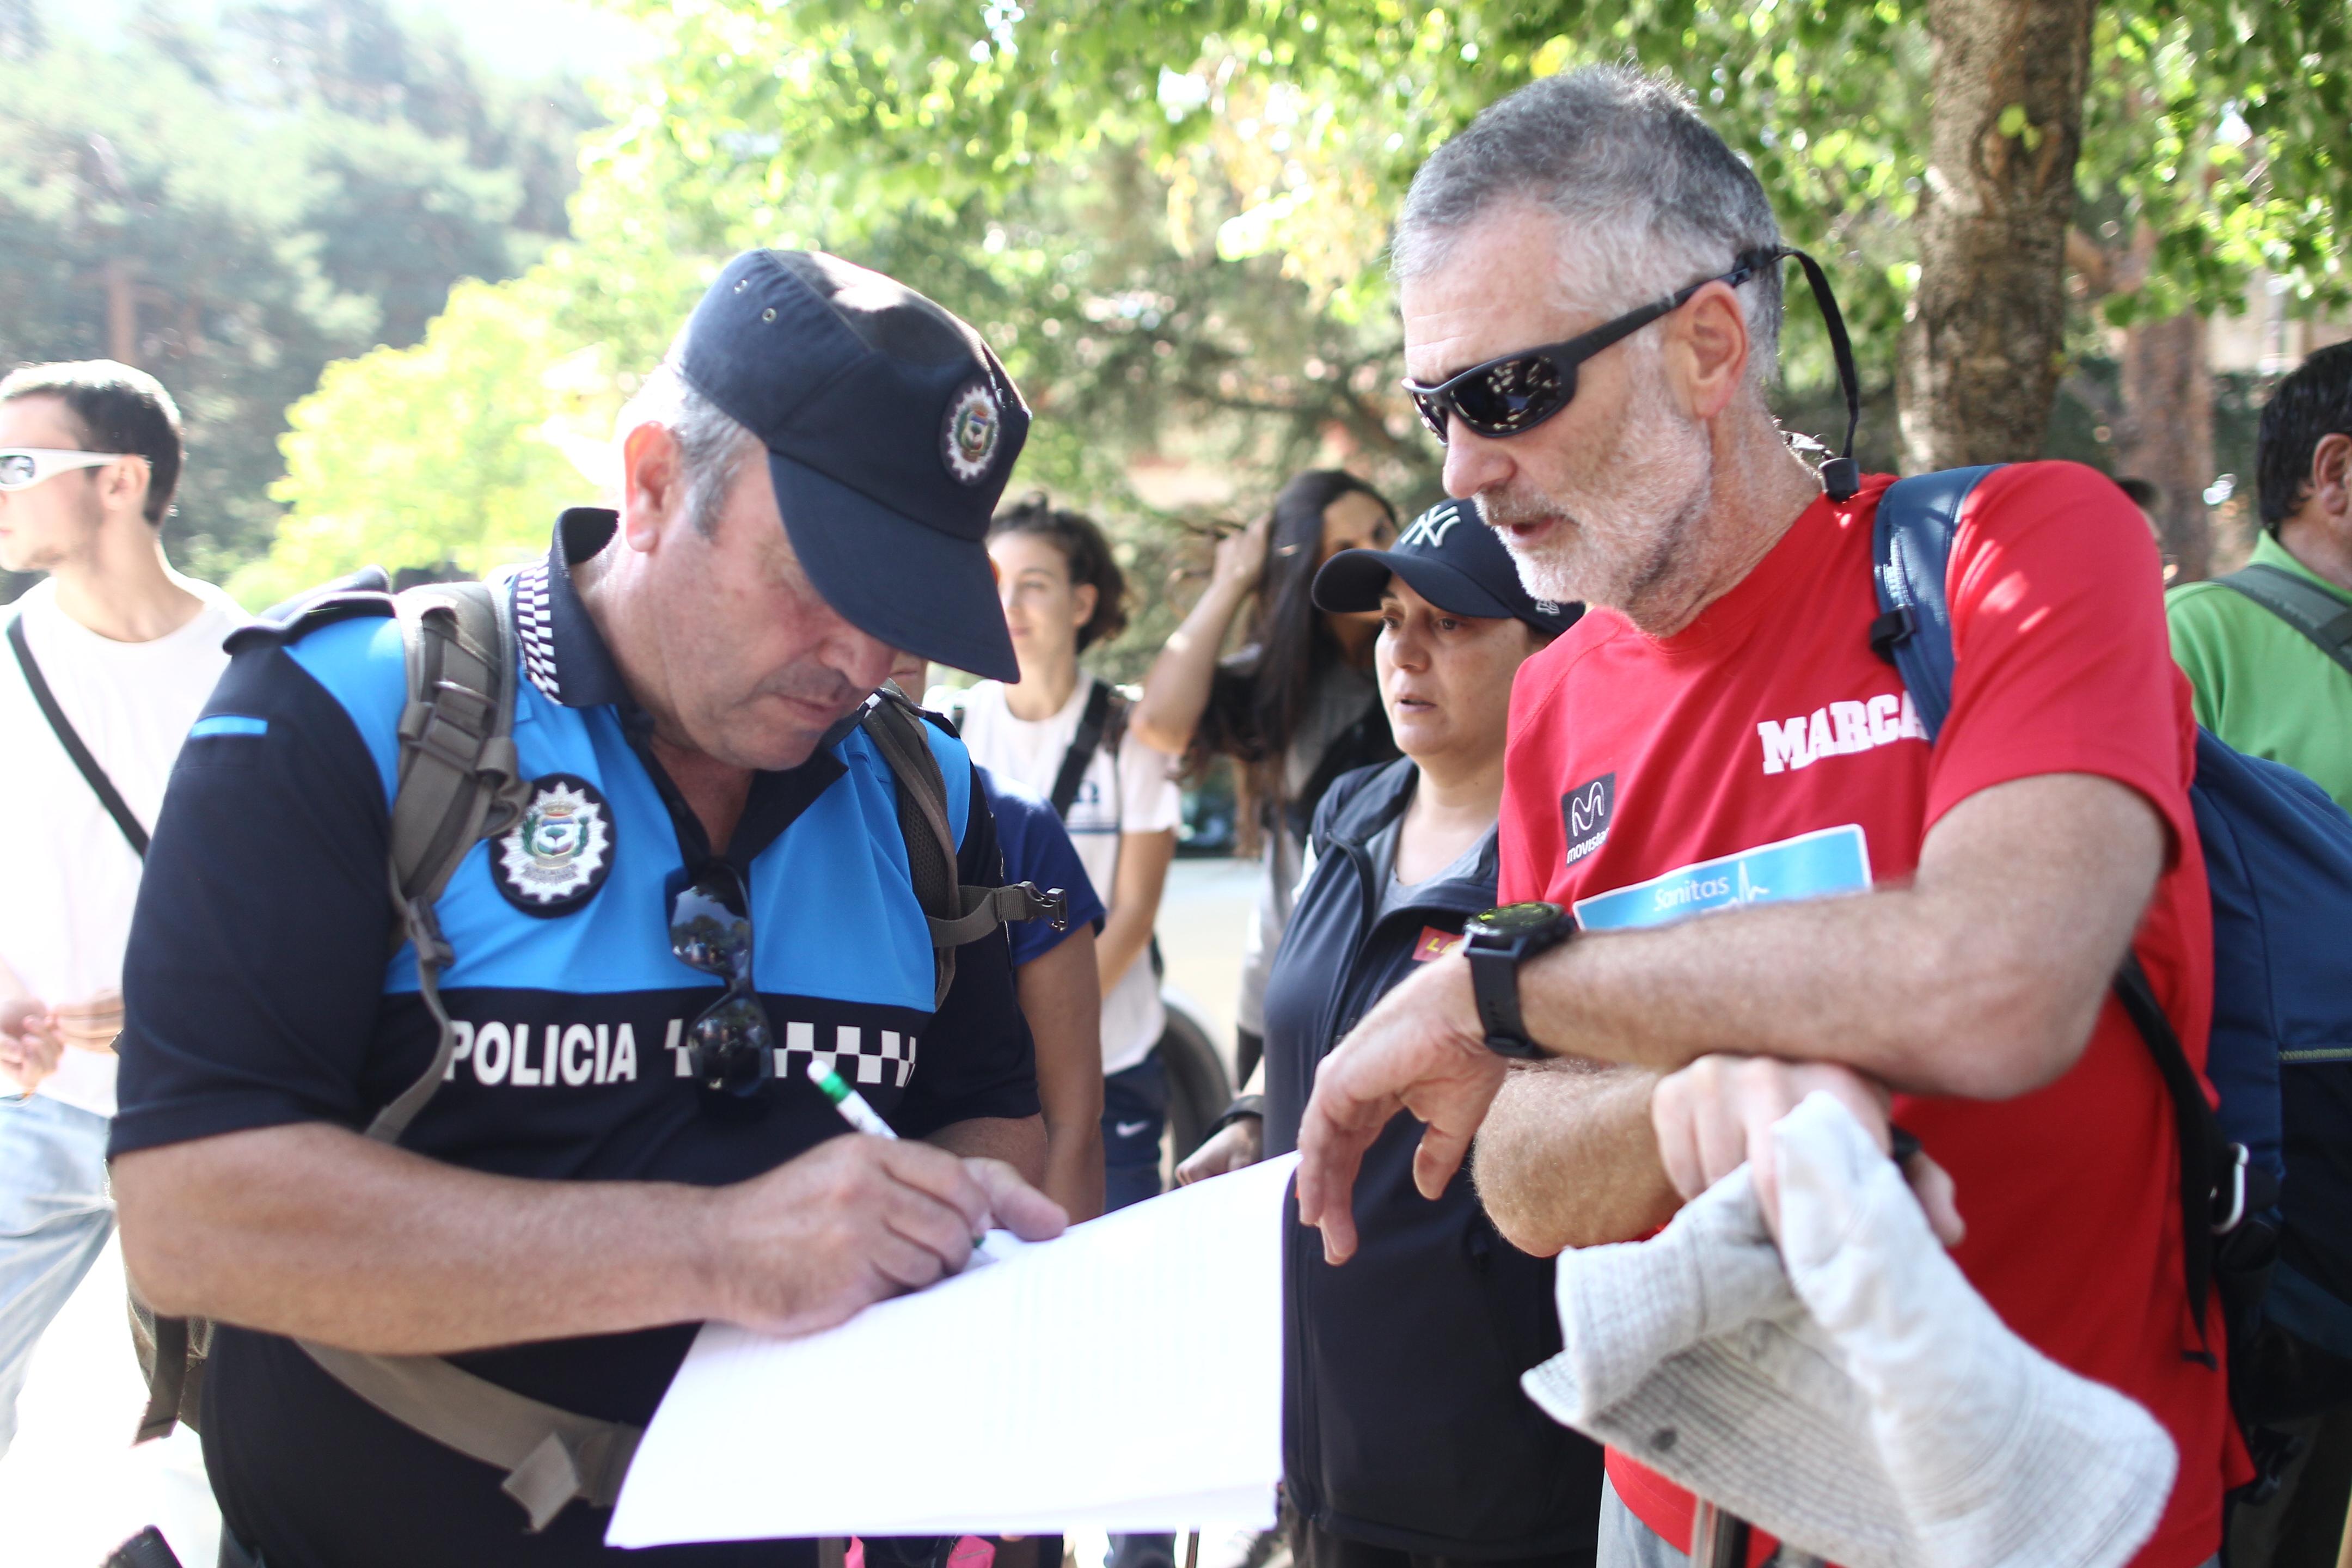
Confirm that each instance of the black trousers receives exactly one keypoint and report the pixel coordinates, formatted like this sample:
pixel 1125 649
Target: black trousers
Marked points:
pixel 1312 1546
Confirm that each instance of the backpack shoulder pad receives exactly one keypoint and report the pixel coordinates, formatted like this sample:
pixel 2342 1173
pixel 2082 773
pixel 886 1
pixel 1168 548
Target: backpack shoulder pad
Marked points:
pixel 363 594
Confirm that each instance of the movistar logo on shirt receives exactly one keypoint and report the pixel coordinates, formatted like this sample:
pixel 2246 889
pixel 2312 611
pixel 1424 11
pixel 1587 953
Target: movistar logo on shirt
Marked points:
pixel 1809 866
pixel 1584 816
pixel 1839 729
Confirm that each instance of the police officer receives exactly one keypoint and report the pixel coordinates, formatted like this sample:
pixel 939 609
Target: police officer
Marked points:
pixel 573 1199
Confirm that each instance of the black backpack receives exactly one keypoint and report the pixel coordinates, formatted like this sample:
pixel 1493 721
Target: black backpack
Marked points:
pixel 2266 1181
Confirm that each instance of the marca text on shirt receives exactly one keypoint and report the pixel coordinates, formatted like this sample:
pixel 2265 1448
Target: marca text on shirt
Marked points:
pixel 1838 730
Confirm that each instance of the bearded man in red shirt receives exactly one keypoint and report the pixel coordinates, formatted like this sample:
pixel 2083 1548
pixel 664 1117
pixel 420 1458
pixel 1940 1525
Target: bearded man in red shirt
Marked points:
pixel 1928 932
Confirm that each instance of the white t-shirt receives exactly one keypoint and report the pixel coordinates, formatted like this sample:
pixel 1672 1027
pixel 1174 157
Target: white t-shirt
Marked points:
pixel 68 877
pixel 1133 791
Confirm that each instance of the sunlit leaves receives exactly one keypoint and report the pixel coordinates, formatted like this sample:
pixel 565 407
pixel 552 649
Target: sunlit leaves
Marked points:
pixel 461 449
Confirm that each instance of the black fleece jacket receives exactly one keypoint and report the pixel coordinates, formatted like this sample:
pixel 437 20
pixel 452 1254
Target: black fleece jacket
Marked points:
pixel 1404 1424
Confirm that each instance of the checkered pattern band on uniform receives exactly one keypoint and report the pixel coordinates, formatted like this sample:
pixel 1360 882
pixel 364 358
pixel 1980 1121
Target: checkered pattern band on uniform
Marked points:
pixel 859 1056
pixel 535 629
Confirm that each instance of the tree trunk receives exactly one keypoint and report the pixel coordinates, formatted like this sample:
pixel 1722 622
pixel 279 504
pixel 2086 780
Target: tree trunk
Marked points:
pixel 2166 436
pixel 1982 347
pixel 122 312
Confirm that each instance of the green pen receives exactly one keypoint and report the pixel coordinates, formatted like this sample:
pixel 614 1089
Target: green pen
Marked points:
pixel 847 1100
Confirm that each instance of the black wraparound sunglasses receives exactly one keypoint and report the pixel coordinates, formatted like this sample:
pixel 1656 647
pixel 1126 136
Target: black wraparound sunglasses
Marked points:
pixel 1512 393
pixel 731 1047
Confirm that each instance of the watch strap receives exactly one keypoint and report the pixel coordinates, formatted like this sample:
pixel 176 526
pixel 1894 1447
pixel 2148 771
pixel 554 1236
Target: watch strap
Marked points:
pixel 1495 985
pixel 1494 961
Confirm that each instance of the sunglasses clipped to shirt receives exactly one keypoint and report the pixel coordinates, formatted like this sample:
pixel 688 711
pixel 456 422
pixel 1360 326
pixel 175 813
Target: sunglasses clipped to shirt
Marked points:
pixel 22 468
pixel 1512 393
pixel 730 1042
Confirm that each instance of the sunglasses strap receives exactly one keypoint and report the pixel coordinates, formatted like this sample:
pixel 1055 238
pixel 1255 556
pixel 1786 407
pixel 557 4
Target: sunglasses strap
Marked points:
pixel 1841 476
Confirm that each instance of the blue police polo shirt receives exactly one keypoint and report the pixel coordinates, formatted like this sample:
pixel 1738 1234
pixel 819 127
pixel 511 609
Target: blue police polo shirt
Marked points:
pixel 259 994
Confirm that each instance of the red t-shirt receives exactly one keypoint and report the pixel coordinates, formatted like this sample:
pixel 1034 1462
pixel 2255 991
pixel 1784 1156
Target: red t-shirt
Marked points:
pixel 1766 752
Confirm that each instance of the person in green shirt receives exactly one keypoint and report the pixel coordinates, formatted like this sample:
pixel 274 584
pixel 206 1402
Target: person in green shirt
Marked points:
pixel 2262 685
pixel 2270 689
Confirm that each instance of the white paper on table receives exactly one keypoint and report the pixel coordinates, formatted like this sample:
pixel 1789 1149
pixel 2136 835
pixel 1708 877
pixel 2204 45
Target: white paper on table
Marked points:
pixel 1127 1376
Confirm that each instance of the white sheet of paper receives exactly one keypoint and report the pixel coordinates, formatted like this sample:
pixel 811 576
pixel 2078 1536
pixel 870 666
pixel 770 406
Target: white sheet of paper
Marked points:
pixel 1127 1376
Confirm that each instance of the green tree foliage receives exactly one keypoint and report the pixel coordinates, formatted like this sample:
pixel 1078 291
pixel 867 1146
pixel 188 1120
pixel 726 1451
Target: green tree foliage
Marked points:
pixel 475 438
pixel 2221 124
pixel 232 204
pixel 1170 216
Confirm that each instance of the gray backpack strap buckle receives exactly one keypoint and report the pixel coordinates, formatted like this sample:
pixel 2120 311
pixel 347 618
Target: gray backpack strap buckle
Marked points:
pixel 985 909
pixel 956 915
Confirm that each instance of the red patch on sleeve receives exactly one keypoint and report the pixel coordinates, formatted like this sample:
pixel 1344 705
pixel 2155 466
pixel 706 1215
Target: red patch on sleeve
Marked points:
pixel 1434 944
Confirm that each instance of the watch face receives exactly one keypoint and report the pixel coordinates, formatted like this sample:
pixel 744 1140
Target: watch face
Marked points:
pixel 1512 920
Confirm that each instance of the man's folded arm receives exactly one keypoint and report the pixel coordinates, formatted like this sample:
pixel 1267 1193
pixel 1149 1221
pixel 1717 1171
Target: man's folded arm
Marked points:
pixel 1566 1157
pixel 1983 977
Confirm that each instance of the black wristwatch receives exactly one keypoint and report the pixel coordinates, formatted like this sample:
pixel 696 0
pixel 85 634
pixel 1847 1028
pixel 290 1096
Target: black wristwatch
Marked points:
pixel 1497 942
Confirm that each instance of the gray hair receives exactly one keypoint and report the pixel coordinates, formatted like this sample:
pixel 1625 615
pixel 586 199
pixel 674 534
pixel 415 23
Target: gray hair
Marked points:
pixel 1655 197
pixel 711 447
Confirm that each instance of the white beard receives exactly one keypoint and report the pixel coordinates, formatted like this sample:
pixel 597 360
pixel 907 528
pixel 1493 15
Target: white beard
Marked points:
pixel 1614 548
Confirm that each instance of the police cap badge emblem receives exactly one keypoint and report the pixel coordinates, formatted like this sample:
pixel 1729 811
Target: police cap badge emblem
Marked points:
pixel 553 860
pixel 973 425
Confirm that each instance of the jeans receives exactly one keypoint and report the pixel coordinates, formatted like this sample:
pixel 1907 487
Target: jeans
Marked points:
pixel 1627 1542
pixel 1135 1113
pixel 55 1217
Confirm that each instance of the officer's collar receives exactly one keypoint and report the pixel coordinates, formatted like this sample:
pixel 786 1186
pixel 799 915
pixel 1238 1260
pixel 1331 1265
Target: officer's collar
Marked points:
pixel 561 649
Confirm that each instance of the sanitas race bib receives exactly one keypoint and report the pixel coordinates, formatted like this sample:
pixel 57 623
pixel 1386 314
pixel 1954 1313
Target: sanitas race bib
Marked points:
pixel 1809 866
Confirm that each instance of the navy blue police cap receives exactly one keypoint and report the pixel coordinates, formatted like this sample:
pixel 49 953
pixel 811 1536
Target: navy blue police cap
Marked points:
pixel 1451 558
pixel 891 430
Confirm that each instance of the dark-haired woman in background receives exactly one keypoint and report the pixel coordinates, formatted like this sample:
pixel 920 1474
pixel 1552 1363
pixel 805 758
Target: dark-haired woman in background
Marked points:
pixel 1294 707
pixel 1064 594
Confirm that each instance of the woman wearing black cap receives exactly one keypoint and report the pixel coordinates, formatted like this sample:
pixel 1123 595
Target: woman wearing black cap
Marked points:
pixel 1406 1438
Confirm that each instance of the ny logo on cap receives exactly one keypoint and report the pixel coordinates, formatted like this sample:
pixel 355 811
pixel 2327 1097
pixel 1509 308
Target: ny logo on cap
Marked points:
pixel 1430 529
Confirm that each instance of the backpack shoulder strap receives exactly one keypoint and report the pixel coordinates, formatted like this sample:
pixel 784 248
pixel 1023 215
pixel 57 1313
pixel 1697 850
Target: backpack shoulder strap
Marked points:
pixel 458 781
pixel 1911 551
pixel 2204 1152
pixel 1123 700
pixel 894 725
pixel 1092 725
pixel 2322 617
pixel 70 739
